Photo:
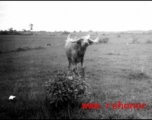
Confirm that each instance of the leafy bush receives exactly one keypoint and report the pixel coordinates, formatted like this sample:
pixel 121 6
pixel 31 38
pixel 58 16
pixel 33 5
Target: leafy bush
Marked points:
pixel 66 90
pixel 104 40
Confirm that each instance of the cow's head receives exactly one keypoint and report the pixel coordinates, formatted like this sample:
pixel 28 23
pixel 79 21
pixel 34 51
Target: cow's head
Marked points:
pixel 84 41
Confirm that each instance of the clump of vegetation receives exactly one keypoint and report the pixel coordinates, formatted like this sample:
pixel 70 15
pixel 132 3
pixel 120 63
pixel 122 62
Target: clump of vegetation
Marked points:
pixel 20 49
pixel 134 40
pixel 148 41
pixel 65 93
pixel 138 75
pixel 111 53
pixel 118 35
pixel 104 40
pixel 27 48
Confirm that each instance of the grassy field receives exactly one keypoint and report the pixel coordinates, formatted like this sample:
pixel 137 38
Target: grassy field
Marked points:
pixel 116 71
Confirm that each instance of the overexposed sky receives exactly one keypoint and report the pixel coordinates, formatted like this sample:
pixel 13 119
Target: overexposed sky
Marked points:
pixel 76 15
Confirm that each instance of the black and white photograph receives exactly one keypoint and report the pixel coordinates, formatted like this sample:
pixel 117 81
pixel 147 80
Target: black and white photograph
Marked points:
pixel 76 59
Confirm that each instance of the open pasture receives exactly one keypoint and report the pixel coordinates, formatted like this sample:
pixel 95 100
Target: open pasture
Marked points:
pixel 117 70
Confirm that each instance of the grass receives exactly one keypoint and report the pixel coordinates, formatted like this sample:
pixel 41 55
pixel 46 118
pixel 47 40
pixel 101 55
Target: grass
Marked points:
pixel 111 77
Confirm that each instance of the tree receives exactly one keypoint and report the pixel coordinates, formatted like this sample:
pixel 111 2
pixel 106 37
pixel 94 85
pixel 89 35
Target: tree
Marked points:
pixel 24 30
pixel 11 29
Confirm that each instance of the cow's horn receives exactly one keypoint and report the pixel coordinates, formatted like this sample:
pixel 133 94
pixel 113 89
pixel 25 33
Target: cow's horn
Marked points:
pixel 75 40
pixel 69 37
pixel 95 40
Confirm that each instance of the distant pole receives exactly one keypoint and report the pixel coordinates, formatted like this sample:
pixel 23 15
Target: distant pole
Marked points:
pixel 31 26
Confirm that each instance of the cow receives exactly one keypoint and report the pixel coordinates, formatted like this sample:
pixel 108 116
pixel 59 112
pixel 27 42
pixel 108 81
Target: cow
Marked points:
pixel 75 49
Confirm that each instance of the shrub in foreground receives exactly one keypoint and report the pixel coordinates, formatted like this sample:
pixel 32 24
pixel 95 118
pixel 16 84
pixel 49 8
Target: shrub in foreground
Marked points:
pixel 66 92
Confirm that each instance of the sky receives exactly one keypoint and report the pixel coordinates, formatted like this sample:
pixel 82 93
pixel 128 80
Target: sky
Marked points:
pixel 76 15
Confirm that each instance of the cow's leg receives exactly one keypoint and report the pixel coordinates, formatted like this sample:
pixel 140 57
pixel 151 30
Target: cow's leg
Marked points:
pixel 77 66
pixel 69 59
pixel 82 66
pixel 74 68
pixel 73 64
